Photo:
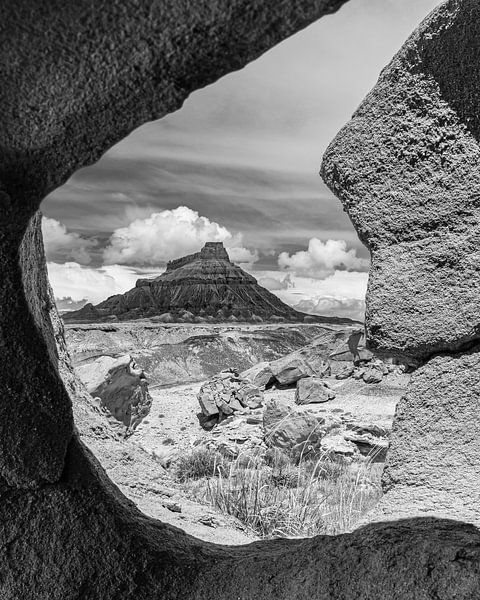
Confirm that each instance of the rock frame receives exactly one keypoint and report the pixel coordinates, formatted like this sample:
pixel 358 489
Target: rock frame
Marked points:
pixel 78 77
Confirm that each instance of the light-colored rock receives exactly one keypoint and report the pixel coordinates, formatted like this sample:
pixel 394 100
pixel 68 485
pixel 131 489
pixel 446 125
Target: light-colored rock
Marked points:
pixel 289 369
pixel 352 349
pixel 345 373
pixel 165 318
pixel 313 390
pixel 121 388
pixel 260 374
pixel 337 444
pixel 369 445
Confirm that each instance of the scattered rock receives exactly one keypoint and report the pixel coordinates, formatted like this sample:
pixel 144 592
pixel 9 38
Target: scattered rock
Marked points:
pixel 345 373
pixel 165 318
pixel 368 428
pixel 172 507
pixel 225 394
pixel 208 520
pixel 312 390
pixel 373 375
pixel 289 369
pixel 369 445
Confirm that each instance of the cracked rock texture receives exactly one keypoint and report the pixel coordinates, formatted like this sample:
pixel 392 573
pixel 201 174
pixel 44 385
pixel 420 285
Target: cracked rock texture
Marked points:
pixel 406 170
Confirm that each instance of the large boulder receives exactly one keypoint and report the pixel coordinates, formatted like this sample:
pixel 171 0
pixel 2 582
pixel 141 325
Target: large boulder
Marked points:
pixel 353 349
pixel 434 457
pixel 406 170
pixel 294 432
pixel 313 390
pixel 302 363
pixel 121 388
pixel 260 374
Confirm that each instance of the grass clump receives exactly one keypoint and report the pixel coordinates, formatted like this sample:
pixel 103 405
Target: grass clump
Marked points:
pixel 201 463
pixel 283 496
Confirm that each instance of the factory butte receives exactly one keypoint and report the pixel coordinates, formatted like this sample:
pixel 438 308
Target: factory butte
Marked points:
pixel 202 287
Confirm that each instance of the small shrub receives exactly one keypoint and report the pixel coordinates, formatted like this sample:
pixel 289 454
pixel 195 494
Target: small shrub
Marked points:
pixel 202 462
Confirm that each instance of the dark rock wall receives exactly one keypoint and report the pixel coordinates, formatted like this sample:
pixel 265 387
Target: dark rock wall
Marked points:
pixel 78 76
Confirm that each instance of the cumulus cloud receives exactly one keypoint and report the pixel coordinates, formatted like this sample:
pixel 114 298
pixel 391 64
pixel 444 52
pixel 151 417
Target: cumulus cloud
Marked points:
pixel 275 284
pixel 170 234
pixel 81 283
pixel 322 259
pixel 243 256
pixel 61 244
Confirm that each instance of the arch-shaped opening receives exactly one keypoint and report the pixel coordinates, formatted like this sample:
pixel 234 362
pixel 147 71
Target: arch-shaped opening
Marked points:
pixel 56 511
pixel 238 163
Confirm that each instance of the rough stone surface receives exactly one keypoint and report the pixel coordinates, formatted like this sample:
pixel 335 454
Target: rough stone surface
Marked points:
pixel 306 362
pixel 121 388
pixel 36 421
pixel 313 390
pixel 372 375
pixel 260 374
pixel 291 431
pixel 434 458
pixel 226 394
pixel 406 170
pixel 75 79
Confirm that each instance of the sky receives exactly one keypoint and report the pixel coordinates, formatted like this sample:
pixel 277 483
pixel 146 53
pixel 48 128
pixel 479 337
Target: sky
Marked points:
pixel 237 163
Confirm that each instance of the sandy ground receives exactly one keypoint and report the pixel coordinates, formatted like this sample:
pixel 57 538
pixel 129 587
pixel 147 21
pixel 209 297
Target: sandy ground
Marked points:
pixel 172 428
pixel 173 416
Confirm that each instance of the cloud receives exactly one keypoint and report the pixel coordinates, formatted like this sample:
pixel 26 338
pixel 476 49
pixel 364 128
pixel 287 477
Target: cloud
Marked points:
pixel 243 256
pixel 170 234
pixel 322 259
pixel 275 284
pixel 338 307
pixel 66 304
pixel 342 293
pixel 62 245
pixel 79 283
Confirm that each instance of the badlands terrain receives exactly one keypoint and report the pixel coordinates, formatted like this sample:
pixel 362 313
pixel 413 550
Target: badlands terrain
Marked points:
pixel 309 420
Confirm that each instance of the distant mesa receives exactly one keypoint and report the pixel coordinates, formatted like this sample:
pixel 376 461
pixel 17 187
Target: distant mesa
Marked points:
pixel 199 288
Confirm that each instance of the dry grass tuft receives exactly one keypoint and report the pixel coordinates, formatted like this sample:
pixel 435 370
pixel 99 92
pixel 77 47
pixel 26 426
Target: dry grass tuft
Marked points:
pixel 283 497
